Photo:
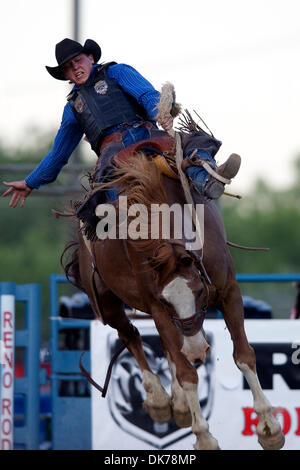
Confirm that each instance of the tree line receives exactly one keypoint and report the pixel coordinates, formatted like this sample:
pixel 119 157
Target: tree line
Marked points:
pixel 32 239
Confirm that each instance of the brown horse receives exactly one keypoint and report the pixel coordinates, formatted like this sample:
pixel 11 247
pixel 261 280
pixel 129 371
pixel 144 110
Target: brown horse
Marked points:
pixel 161 277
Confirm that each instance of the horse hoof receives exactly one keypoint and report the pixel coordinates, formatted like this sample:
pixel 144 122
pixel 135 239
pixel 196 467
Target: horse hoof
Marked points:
pixel 205 441
pixel 160 415
pixel 272 442
pixel 182 419
pixel 158 402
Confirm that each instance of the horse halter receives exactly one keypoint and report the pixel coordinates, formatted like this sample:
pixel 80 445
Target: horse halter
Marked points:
pixel 192 325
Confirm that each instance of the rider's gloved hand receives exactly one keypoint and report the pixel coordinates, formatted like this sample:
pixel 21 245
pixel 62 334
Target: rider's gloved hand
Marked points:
pixel 166 122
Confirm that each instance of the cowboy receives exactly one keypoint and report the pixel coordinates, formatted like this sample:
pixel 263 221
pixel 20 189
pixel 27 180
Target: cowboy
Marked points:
pixel 114 106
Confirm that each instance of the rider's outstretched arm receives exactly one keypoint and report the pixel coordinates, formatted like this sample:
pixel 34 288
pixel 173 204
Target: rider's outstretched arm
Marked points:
pixel 67 138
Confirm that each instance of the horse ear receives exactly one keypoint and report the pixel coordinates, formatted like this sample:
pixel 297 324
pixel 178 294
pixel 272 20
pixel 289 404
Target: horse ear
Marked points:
pixel 185 260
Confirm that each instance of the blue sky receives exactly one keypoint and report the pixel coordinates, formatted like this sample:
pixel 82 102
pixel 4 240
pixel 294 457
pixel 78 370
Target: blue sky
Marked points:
pixel 236 62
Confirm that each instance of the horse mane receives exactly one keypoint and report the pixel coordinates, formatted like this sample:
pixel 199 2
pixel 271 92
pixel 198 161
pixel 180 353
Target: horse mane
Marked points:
pixel 140 180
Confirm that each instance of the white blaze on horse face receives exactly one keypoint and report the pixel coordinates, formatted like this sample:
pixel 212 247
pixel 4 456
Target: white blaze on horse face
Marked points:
pixel 181 296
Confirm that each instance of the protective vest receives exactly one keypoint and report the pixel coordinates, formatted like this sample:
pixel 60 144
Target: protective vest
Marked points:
pixel 101 103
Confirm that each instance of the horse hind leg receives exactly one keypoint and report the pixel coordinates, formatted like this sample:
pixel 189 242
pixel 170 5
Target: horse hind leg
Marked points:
pixel 268 429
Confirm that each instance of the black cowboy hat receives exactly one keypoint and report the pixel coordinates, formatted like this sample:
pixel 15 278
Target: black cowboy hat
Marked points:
pixel 67 49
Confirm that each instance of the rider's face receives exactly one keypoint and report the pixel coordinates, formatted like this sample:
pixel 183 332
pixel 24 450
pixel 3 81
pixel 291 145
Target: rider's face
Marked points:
pixel 77 70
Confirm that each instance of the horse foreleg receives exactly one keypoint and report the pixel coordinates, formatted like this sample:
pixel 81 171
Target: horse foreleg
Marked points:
pixel 157 402
pixel 205 440
pixel 187 378
pixel 180 407
pixel 268 430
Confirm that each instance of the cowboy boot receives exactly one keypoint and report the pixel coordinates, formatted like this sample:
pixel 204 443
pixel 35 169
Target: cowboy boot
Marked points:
pixel 214 188
pixel 205 183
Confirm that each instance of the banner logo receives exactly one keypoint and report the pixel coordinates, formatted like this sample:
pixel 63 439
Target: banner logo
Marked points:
pixel 127 394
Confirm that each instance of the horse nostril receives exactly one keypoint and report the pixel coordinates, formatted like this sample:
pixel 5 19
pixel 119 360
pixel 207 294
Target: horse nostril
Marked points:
pixel 197 361
pixel 200 292
pixel 186 260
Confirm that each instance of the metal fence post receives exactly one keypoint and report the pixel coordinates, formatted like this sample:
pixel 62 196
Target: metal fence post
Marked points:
pixel 29 338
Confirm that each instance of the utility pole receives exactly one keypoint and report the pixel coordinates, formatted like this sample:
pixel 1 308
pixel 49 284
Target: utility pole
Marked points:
pixel 76 37
pixel 76 11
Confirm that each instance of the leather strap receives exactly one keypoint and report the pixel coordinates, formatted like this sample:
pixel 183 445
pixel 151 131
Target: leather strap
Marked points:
pixel 103 389
pixel 214 174
pixel 190 326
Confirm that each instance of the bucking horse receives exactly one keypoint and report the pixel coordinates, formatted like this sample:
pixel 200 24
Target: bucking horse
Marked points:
pixel 171 281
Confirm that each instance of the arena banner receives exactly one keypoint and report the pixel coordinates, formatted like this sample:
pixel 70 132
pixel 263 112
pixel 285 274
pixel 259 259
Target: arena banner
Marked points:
pixel 7 323
pixel 119 421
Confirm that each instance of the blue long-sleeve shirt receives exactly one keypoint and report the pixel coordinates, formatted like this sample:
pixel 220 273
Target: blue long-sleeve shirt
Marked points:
pixel 70 132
